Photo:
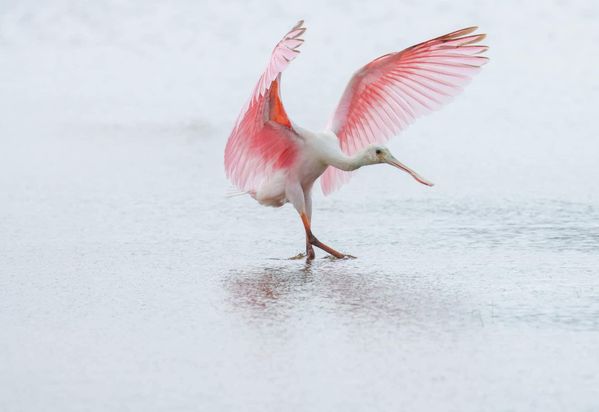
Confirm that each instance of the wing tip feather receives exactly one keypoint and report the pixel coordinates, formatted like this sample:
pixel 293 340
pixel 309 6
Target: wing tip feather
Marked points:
pixel 457 33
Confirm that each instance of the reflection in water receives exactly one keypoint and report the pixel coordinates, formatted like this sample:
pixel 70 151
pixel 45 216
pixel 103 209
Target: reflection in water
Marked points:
pixel 343 290
pixel 263 287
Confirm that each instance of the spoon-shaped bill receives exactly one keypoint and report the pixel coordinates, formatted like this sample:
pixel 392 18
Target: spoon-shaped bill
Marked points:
pixel 394 162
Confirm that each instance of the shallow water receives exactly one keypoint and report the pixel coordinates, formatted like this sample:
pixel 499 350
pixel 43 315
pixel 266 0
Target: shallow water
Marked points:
pixel 130 282
pixel 134 283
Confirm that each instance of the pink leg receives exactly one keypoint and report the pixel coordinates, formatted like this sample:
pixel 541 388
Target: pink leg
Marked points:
pixel 311 240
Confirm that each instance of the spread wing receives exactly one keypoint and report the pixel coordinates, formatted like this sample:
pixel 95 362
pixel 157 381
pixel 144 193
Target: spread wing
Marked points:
pixel 386 95
pixel 263 140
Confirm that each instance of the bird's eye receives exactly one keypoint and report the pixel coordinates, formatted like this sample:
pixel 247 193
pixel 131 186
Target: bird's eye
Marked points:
pixel 378 151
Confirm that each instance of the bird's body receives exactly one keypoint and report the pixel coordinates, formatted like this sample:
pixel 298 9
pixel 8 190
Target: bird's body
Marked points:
pixel 303 172
pixel 317 151
pixel 277 161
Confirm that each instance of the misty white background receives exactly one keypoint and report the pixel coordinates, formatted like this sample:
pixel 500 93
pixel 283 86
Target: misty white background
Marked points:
pixel 524 126
pixel 128 281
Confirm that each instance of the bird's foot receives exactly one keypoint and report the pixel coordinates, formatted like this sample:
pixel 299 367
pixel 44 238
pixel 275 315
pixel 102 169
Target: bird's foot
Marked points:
pixel 309 255
pixel 298 256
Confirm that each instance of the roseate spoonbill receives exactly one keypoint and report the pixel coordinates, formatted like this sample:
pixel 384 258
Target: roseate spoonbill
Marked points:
pixel 276 161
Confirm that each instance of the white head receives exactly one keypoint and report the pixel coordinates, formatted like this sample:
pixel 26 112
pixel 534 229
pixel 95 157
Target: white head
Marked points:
pixel 375 154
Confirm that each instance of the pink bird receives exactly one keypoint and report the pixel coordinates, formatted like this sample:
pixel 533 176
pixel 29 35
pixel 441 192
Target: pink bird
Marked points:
pixel 276 161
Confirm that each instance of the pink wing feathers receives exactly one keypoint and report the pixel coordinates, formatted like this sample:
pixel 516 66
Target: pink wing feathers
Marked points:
pixel 386 95
pixel 263 140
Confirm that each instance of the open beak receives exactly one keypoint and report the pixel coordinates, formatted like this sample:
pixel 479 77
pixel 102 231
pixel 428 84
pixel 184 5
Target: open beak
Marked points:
pixel 394 162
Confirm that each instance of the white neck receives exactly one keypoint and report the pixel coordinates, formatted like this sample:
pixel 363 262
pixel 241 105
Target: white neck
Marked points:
pixel 348 163
pixel 326 144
